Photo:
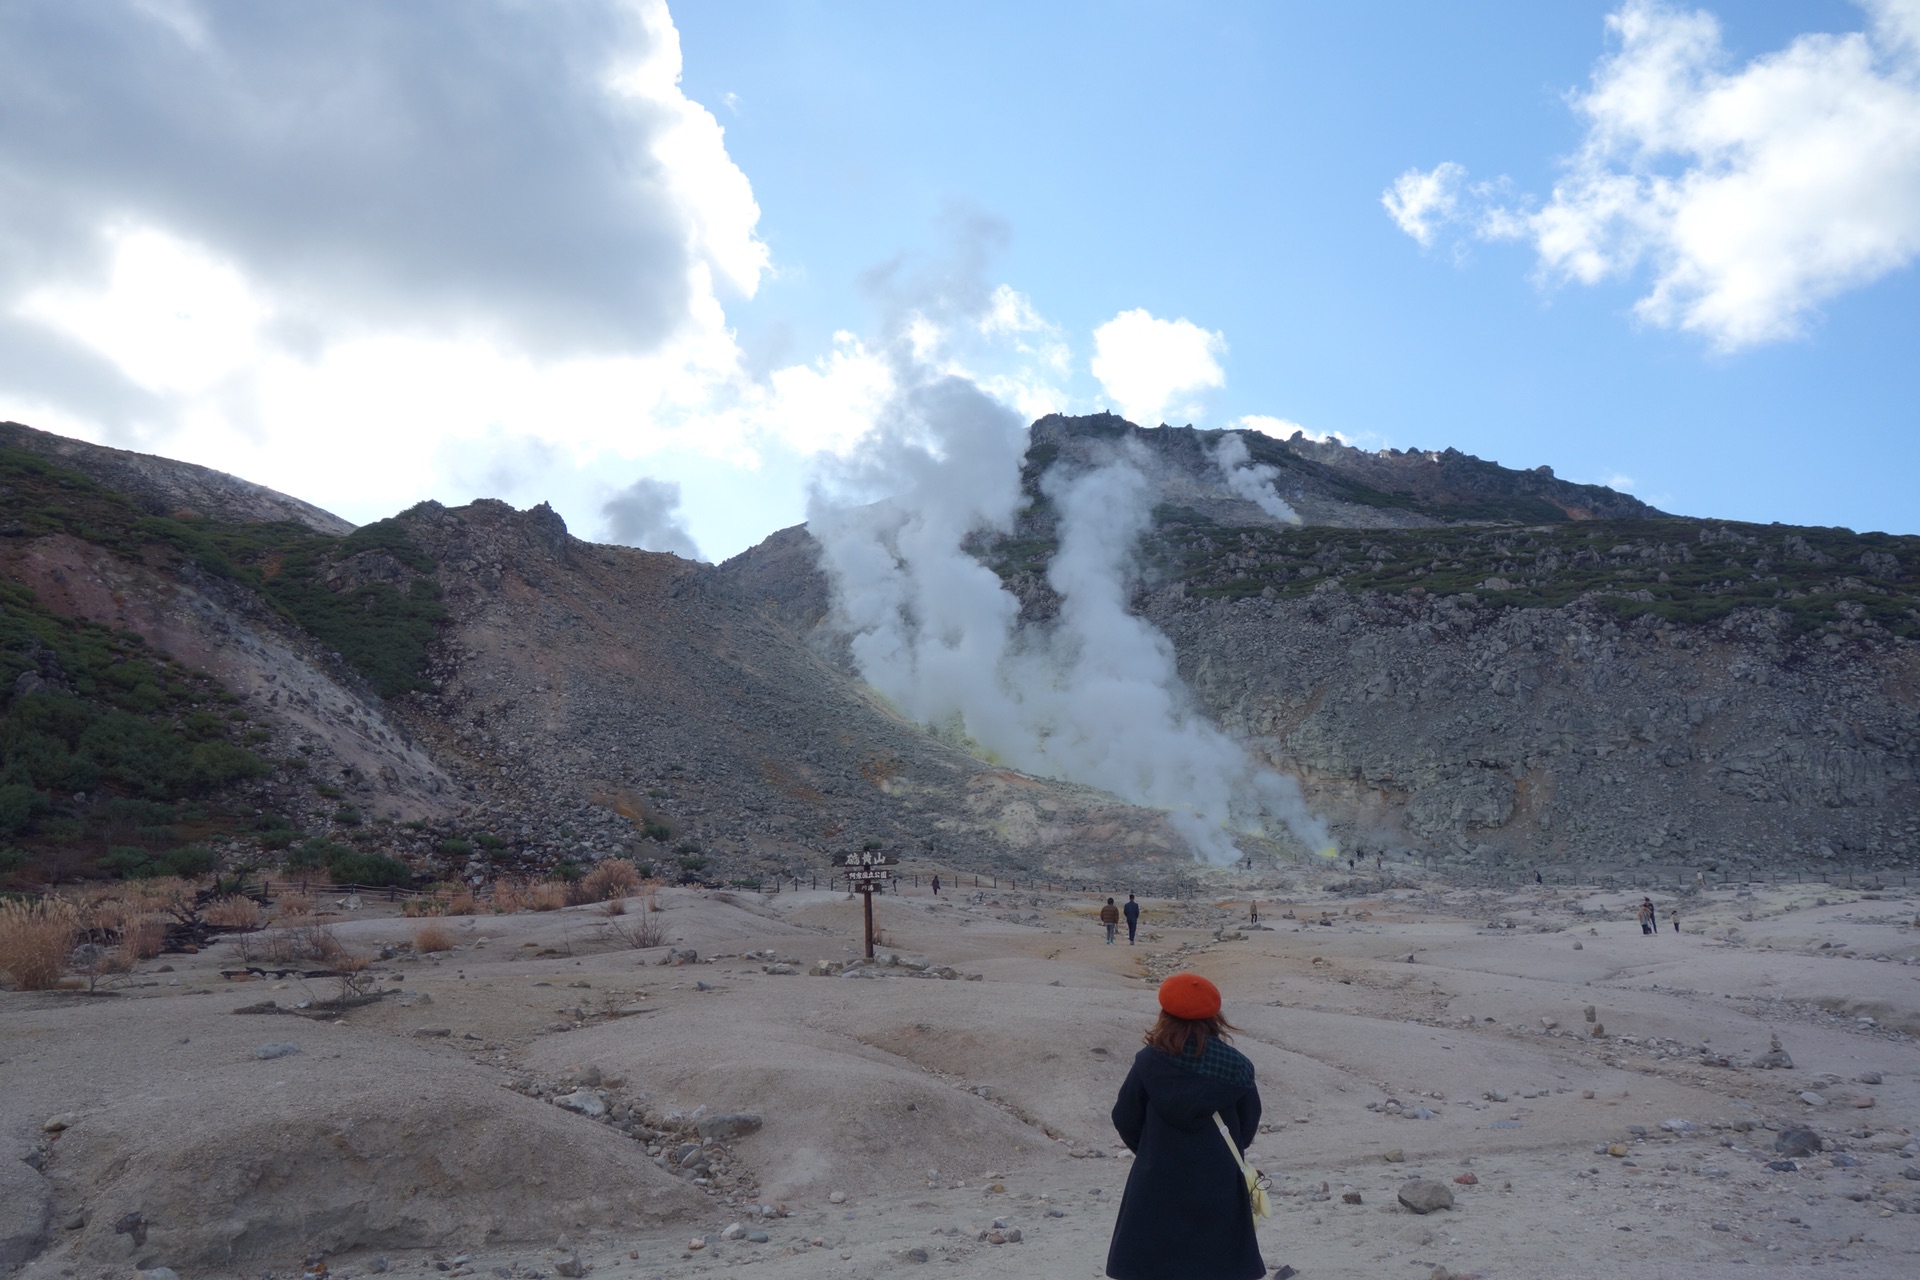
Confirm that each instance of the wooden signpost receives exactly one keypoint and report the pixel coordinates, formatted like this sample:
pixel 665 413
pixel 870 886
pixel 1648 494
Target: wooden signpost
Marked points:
pixel 866 873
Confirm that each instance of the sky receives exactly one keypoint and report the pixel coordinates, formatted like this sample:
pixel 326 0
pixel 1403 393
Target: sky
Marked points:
pixel 660 265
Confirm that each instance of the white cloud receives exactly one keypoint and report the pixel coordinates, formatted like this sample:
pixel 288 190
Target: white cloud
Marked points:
pixel 1419 202
pixel 1752 194
pixel 1149 367
pixel 492 259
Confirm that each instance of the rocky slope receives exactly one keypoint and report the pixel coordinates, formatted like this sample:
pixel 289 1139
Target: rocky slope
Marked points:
pixel 1453 679
pixel 1460 662
pixel 166 487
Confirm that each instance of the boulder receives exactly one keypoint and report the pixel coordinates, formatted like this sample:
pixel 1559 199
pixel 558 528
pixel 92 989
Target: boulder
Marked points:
pixel 728 1124
pixel 1798 1142
pixel 1423 1196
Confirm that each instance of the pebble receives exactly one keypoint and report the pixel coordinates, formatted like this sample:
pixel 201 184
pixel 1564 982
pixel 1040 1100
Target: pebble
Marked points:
pixel 1467 1179
pixel 58 1124
pixel 756 1237
pixel 733 1231
pixel 838 1197
pixel 1812 1099
pixel 1867 1077
pixel 1395 1156
pixel 275 1050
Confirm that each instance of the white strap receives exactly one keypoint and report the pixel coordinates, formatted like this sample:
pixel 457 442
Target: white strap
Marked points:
pixel 1234 1147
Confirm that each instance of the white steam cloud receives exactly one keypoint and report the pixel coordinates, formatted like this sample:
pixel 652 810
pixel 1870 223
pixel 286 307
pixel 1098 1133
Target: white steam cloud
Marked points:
pixel 1096 697
pixel 1252 481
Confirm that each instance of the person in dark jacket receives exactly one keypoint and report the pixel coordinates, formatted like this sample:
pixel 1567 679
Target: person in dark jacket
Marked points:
pixel 1132 912
pixel 1185 1214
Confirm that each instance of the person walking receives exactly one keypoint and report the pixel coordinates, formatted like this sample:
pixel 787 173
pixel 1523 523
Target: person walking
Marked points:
pixel 936 886
pixel 1186 1213
pixel 1646 915
pixel 1132 912
pixel 1110 917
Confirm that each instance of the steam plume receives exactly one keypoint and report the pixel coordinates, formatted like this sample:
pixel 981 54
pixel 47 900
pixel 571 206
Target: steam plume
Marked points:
pixel 1096 698
pixel 1252 481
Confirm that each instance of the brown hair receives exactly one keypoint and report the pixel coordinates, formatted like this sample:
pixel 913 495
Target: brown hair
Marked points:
pixel 1170 1034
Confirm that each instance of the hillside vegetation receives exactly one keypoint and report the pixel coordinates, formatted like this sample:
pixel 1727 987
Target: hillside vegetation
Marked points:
pixel 116 759
pixel 1681 570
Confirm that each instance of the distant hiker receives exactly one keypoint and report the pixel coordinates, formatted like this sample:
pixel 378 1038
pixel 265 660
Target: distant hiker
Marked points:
pixel 1132 912
pixel 1536 877
pixel 1110 917
pixel 1646 915
pixel 936 886
pixel 1673 914
pixel 1188 1110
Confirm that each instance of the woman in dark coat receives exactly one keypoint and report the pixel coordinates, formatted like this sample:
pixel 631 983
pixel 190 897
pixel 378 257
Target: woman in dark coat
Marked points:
pixel 1186 1214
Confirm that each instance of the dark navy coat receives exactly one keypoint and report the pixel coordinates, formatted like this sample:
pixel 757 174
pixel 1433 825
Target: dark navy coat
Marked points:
pixel 1185 1214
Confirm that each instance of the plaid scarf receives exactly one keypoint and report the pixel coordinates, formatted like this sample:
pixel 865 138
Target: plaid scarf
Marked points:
pixel 1221 1062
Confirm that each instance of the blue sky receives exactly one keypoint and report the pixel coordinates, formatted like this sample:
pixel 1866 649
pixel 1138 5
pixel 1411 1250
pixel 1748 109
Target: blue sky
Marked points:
pixel 519 258
pixel 1224 163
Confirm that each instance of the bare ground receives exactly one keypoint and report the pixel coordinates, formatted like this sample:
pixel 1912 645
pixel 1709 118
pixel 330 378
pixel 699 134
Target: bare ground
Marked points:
pixel 421 1128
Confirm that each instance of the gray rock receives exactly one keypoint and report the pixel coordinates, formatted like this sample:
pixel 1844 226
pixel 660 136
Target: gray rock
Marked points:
pixel 26 1211
pixel 1494 1095
pixel 570 1266
pixel 1423 1196
pixel 583 1101
pixel 728 1124
pixel 276 1050
pixel 1812 1099
pixel 756 1237
pixel 156 1273
pixel 1867 1077
pixel 1798 1142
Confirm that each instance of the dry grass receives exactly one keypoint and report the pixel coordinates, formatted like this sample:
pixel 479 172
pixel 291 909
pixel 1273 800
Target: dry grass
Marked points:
pixel 306 942
pixel 432 937
pixel 652 899
pixel 614 907
pixel 234 913
pixel 35 941
pixel 541 895
pixel 613 878
pixel 639 932
pixel 294 905
pixel 442 900
pixel 141 938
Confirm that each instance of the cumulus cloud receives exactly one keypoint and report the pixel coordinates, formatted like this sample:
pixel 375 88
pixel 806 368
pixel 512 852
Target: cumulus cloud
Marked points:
pixel 1419 202
pixel 1750 194
pixel 646 514
pixel 1153 369
pixel 285 239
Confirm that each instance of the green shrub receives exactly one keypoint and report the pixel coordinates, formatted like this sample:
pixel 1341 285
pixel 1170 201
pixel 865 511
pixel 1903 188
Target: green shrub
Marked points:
pixel 277 839
pixel 128 863
pixel 316 853
pixel 694 862
pixel 653 829
pixel 455 846
pixel 355 867
pixel 189 862
pixel 347 815
pixel 568 870
pixel 18 805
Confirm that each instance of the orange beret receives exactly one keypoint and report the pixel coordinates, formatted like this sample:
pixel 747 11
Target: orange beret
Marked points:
pixel 1189 996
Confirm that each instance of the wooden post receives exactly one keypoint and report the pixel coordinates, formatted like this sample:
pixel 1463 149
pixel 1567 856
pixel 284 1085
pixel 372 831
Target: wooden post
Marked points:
pixel 868 895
